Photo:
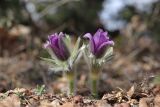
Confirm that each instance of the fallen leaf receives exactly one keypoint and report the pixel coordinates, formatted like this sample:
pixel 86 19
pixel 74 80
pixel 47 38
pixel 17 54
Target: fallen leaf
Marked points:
pixel 122 105
pixel 157 101
pixel 131 91
pixel 143 102
pixel 68 105
pixel 11 101
pixel 103 103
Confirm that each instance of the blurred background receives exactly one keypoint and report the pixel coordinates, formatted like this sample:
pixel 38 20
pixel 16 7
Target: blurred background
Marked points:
pixel 134 25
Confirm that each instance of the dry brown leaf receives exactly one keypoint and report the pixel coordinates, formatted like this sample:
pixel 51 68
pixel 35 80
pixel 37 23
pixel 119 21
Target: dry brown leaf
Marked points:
pixel 68 105
pixel 125 105
pixel 78 99
pixel 143 102
pixel 103 103
pixel 20 30
pixel 11 101
pixel 122 105
pixel 157 101
pixel 131 91
pixel 46 103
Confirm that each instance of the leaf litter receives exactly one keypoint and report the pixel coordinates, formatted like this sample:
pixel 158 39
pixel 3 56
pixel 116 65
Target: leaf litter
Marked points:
pixel 21 97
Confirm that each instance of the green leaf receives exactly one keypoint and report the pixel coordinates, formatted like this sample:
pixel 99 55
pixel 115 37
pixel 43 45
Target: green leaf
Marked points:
pixel 68 42
pixel 60 68
pixel 54 61
pixel 107 57
pixel 75 52
pixel 40 90
pixel 108 53
pixel 157 79
pixel 48 60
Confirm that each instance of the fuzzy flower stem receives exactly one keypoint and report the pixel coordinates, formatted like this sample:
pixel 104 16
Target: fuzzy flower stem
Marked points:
pixel 95 71
pixel 70 77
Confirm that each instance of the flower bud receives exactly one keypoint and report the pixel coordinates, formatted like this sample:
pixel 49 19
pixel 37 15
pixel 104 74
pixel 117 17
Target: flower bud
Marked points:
pixel 99 42
pixel 57 45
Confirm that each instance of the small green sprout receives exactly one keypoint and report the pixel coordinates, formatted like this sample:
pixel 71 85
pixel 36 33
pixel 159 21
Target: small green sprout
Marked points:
pixel 40 90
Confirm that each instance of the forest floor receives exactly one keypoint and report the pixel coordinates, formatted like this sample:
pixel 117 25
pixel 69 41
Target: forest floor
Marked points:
pixel 32 98
pixel 133 69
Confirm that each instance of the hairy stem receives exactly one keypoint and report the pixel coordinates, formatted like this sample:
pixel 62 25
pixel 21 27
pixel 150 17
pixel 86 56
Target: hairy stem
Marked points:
pixel 70 76
pixel 94 78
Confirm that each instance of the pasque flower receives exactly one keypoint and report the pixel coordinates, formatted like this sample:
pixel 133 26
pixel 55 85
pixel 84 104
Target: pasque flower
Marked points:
pixel 99 42
pixel 63 56
pixel 57 45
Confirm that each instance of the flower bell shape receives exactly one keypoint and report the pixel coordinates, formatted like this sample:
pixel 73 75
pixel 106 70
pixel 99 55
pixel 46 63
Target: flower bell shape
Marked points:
pixel 99 42
pixel 57 45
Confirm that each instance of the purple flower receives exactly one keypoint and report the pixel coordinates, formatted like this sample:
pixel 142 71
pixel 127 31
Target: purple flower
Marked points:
pixel 56 44
pixel 99 42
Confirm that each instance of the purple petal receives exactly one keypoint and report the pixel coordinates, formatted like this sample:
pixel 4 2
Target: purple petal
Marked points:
pixel 102 48
pixel 87 35
pixel 110 42
pixel 103 38
pixel 92 43
pixel 63 51
pixel 53 39
pixel 96 36
pixel 105 44
pixel 61 34
pixel 47 44
pixel 100 36
pixel 58 46
pixel 105 35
